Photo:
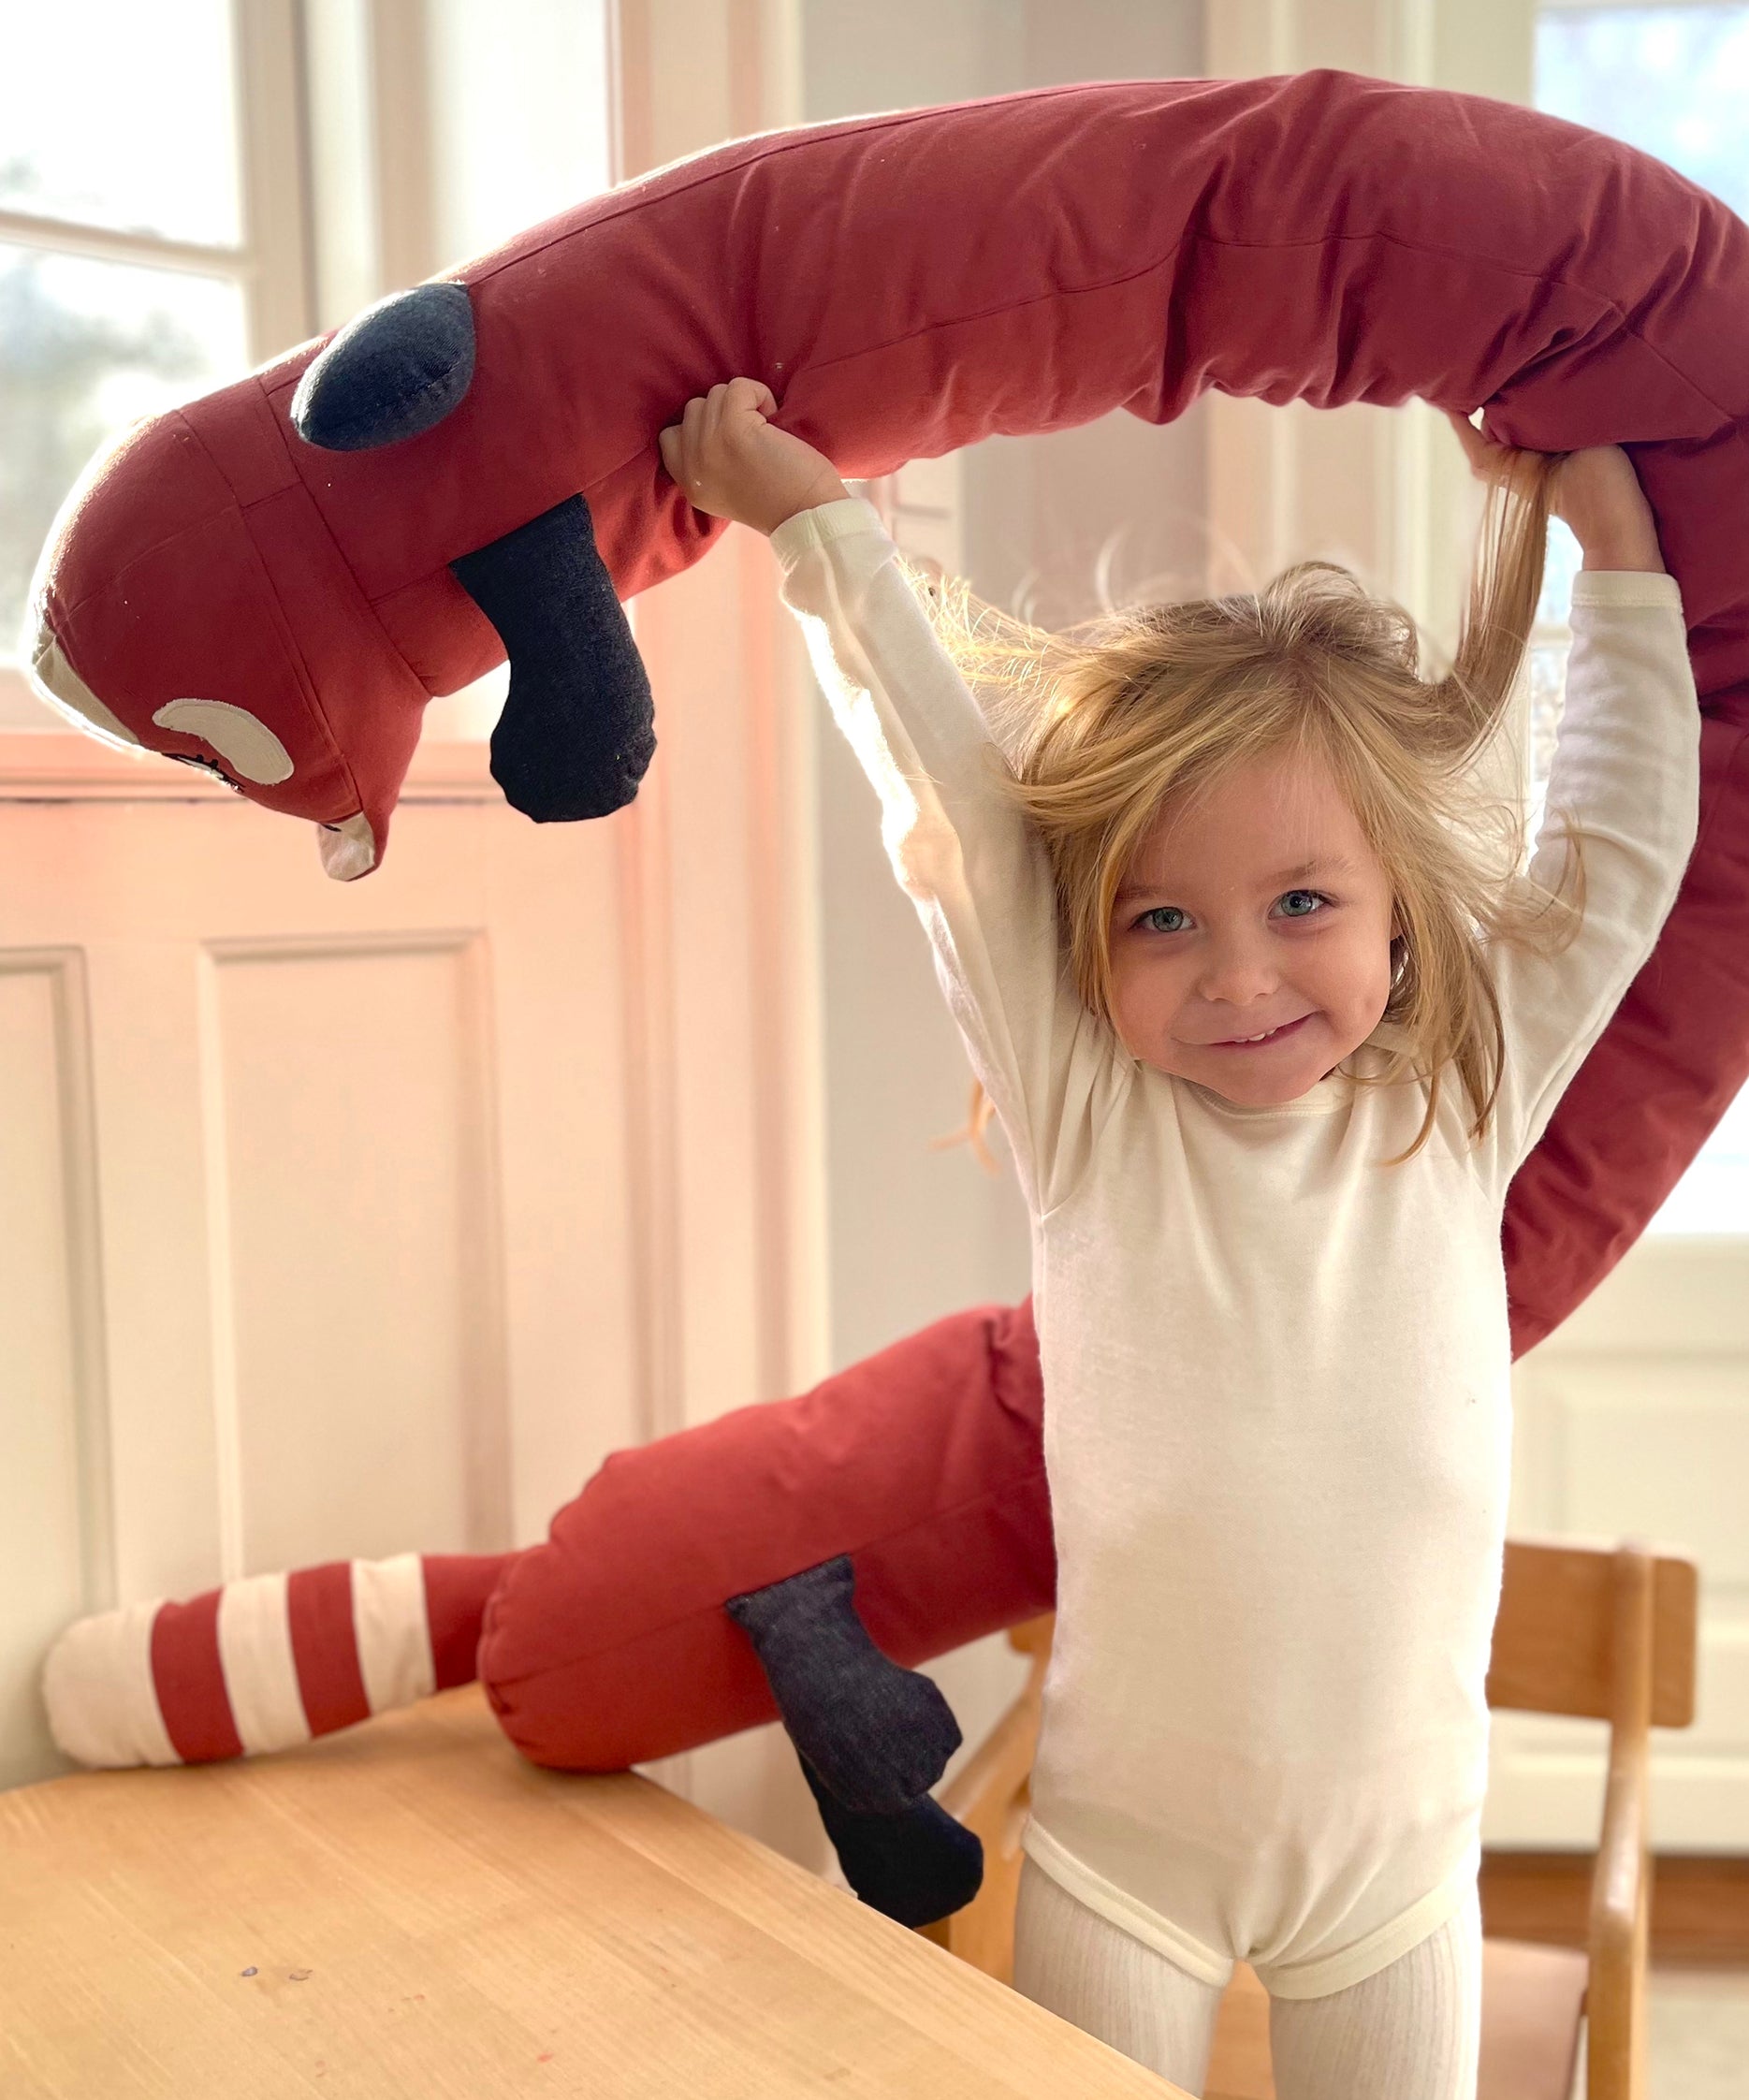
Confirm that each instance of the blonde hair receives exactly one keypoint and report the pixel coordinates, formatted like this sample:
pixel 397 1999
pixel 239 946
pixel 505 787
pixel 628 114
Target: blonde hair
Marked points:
pixel 1106 724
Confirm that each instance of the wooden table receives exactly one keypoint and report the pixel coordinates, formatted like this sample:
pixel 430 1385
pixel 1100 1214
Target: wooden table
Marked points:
pixel 410 1909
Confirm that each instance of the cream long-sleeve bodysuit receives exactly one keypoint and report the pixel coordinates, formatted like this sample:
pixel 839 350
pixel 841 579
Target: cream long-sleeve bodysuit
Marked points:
pixel 1278 1424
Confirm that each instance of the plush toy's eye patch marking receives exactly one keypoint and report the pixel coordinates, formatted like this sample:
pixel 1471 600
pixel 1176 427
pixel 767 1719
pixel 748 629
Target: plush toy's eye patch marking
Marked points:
pixel 243 741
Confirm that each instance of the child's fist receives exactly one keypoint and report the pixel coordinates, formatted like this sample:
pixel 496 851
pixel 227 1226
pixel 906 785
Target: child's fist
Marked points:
pixel 733 462
pixel 1594 492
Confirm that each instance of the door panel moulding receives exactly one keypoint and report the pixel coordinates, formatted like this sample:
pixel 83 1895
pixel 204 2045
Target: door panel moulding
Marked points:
pixel 61 973
pixel 479 1368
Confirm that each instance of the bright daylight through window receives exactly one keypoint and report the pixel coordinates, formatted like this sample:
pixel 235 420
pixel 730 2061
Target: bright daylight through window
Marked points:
pixel 1673 80
pixel 120 227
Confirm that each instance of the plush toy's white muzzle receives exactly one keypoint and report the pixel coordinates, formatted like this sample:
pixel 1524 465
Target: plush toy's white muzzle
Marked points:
pixel 66 692
pixel 348 850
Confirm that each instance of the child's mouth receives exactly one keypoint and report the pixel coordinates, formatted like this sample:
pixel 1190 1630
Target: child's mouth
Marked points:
pixel 1263 1041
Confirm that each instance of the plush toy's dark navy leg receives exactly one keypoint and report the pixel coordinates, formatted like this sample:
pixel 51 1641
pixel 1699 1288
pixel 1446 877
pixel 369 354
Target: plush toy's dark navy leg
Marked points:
pixel 878 1737
pixel 914 1867
pixel 872 1739
pixel 576 734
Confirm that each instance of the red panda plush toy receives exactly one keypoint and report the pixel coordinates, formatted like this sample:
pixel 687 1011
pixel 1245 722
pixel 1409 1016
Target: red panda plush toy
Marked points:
pixel 270 582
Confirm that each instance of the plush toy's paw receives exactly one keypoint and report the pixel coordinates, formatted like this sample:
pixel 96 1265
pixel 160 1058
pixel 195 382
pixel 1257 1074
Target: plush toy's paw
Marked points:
pixel 395 370
pixel 878 1736
pixel 577 732
pixel 913 1867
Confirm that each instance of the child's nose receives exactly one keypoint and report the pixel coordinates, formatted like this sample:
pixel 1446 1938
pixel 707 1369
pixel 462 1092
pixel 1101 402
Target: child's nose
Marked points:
pixel 1238 972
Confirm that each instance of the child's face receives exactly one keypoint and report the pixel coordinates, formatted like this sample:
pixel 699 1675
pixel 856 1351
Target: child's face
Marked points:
pixel 1259 910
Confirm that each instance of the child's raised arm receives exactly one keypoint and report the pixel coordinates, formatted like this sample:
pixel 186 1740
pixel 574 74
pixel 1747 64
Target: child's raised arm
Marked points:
pixel 1626 783
pixel 959 845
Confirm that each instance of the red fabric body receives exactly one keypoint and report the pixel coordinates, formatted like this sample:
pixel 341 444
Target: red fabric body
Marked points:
pixel 609 1645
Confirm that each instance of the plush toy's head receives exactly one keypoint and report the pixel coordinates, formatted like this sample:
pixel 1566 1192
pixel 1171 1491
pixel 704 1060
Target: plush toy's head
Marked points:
pixel 154 623
pixel 272 580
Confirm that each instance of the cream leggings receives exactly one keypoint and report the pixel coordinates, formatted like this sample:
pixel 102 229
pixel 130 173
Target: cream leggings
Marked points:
pixel 1410 2032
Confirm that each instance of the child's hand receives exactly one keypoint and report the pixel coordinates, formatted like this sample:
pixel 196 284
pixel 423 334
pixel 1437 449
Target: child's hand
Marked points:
pixel 1597 492
pixel 732 463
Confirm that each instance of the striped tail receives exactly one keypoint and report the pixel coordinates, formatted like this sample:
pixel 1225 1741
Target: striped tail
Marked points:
pixel 266 1662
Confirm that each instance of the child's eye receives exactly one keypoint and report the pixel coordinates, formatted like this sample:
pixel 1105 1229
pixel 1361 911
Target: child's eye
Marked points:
pixel 1300 904
pixel 1164 918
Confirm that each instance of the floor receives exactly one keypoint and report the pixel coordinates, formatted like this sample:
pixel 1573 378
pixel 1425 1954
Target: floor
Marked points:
pixel 1699 2035
pixel 1699 2032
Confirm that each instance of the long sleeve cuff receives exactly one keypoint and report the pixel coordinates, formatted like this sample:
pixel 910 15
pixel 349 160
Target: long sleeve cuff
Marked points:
pixel 843 518
pixel 1594 587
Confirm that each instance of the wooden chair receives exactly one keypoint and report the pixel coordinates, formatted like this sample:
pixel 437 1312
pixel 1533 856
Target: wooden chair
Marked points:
pixel 1589 1630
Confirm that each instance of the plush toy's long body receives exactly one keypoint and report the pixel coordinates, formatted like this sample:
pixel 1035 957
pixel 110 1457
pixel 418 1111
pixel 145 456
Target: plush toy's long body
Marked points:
pixel 905 284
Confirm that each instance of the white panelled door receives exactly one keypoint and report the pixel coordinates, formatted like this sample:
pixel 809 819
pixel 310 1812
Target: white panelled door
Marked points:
pixel 313 1197
pixel 1633 1422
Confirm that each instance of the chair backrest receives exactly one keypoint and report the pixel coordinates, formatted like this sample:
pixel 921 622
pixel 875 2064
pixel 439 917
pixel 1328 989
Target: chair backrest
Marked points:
pixel 1554 1637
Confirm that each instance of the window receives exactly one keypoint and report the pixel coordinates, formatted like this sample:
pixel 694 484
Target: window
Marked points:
pixel 152 238
pixel 1669 78
pixel 1672 80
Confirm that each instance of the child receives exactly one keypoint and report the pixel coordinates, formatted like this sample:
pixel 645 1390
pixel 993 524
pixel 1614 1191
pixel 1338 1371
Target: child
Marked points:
pixel 1269 1030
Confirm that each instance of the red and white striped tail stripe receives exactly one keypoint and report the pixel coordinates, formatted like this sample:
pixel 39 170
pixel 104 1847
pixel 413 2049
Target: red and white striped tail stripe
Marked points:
pixel 263 1663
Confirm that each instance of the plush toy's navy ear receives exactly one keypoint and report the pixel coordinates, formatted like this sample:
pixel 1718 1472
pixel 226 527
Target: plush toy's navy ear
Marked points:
pixel 397 369
pixel 576 735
